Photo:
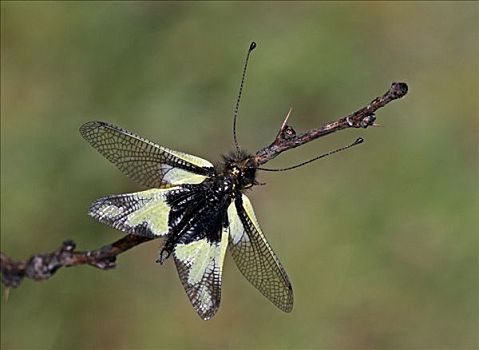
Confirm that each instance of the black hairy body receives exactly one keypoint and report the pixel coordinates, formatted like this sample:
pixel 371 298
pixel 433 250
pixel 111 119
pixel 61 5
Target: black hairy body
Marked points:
pixel 200 211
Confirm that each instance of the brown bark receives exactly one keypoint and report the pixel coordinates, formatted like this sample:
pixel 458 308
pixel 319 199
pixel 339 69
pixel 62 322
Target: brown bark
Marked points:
pixel 43 266
pixel 362 118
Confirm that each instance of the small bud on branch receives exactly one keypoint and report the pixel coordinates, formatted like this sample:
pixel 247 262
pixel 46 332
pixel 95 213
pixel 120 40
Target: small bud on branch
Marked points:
pixel 43 266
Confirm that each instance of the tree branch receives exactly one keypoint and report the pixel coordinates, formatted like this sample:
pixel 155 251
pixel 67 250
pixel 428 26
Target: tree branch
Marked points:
pixel 287 138
pixel 43 266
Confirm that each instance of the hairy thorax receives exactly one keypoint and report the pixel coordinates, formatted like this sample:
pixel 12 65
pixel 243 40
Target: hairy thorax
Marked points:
pixel 198 210
pixel 240 168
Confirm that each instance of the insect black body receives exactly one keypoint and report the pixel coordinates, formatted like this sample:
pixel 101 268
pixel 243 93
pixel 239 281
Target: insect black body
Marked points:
pixel 199 211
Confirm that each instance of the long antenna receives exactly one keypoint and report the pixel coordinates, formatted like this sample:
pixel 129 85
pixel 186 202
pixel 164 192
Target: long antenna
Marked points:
pixel 358 141
pixel 252 46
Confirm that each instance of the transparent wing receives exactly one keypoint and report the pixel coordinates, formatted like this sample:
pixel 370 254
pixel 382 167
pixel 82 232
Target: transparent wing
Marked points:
pixel 142 213
pixel 143 161
pixel 200 267
pixel 255 257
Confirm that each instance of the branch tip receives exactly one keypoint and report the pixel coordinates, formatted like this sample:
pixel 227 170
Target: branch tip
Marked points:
pixel 362 118
pixel 398 89
pixel 43 266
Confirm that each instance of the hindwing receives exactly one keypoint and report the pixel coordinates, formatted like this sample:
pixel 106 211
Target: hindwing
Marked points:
pixel 254 256
pixel 143 161
pixel 143 213
pixel 200 268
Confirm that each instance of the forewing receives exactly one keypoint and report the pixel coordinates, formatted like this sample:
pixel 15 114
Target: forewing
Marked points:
pixel 254 256
pixel 200 266
pixel 143 213
pixel 143 161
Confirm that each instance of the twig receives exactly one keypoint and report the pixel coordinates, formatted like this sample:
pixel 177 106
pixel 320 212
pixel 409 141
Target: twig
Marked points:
pixel 43 266
pixel 287 138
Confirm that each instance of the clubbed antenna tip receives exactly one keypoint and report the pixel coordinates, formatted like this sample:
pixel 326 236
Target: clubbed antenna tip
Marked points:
pixel 252 46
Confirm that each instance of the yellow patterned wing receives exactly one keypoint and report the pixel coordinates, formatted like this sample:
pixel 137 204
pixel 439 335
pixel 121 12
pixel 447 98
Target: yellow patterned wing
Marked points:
pixel 143 161
pixel 254 256
pixel 143 213
pixel 200 267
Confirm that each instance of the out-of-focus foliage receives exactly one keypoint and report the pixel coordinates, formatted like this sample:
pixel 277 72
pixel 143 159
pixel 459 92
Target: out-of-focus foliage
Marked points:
pixel 380 242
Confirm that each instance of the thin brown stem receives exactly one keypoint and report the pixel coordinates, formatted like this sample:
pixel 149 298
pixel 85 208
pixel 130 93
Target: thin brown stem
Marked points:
pixel 364 117
pixel 43 266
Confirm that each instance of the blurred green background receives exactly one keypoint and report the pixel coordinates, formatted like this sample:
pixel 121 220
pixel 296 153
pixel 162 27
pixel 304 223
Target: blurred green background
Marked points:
pixel 380 242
